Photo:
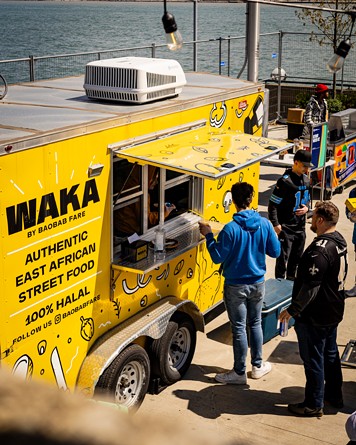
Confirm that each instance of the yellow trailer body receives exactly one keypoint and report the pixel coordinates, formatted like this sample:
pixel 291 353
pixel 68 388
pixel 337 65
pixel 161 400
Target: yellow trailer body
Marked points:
pixel 71 302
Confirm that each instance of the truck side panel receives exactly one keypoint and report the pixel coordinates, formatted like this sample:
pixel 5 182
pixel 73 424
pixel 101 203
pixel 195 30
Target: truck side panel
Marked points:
pixel 56 297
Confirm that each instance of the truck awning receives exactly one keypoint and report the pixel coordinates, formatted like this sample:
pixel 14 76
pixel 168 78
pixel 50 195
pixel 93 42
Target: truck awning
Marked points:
pixel 204 152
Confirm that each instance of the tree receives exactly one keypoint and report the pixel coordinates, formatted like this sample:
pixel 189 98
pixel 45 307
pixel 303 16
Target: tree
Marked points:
pixel 333 27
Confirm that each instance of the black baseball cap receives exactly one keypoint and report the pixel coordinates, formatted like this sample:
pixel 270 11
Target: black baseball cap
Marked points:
pixel 304 156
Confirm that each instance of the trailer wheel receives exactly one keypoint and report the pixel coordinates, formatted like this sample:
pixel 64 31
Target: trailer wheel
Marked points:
pixel 126 380
pixel 172 354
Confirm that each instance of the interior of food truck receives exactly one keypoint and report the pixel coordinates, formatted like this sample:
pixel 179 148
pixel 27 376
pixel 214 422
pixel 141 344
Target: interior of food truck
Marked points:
pixel 141 195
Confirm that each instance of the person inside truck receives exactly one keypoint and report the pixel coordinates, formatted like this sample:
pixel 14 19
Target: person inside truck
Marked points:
pixel 127 219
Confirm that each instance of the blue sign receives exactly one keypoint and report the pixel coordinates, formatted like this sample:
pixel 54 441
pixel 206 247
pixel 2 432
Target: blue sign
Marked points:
pixel 319 143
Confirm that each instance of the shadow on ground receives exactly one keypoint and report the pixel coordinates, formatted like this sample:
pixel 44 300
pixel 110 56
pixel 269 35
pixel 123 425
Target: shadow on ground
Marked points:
pixel 216 399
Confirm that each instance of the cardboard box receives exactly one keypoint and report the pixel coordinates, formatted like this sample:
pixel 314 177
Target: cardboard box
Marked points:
pixel 277 298
pixel 136 251
pixel 295 115
pixel 351 204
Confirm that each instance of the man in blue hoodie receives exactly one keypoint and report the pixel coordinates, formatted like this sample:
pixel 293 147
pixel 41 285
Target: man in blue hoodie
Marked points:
pixel 241 247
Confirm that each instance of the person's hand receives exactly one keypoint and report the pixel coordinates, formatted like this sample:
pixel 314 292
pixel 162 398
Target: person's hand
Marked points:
pixel 168 208
pixel 302 210
pixel 204 228
pixel 278 229
pixel 352 216
pixel 284 316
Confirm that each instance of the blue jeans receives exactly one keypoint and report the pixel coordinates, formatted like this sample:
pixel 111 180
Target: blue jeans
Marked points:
pixel 320 355
pixel 243 304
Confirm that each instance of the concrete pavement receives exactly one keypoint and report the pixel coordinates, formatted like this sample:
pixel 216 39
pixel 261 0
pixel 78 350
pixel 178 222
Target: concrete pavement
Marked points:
pixel 257 413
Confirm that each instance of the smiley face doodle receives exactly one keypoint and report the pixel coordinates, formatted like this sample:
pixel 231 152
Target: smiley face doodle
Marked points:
pixel 227 201
pixel 218 115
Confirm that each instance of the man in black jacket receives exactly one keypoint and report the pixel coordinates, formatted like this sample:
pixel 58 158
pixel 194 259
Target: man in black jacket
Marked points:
pixel 287 208
pixel 318 307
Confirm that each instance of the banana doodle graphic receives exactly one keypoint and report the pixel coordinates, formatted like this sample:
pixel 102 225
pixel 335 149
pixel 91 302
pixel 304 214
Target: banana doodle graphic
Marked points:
pixel 140 284
pixel 241 176
pixel 215 159
pixel 164 275
pixel 200 149
pixel 216 120
pixel 179 267
pixel 221 182
pixel 23 367
pixel 58 370
pixel 206 168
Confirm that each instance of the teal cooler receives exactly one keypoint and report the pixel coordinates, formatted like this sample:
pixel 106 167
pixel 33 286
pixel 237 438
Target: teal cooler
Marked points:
pixel 277 298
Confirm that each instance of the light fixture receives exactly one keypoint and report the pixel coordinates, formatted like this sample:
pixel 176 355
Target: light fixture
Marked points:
pixel 173 36
pixel 337 60
pixel 95 170
pixel 275 75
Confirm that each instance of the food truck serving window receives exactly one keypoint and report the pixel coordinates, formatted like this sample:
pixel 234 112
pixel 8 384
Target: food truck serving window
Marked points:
pixel 140 197
pixel 156 170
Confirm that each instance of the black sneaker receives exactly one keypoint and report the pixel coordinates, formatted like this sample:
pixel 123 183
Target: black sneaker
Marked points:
pixel 301 410
pixel 335 403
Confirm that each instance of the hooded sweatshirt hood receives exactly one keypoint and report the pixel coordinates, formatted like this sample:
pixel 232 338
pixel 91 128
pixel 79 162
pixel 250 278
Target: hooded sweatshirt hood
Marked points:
pixel 248 220
pixel 318 296
pixel 336 237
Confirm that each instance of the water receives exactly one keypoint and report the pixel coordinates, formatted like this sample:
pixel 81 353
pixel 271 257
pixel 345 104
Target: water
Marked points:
pixel 51 28
pixel 47 28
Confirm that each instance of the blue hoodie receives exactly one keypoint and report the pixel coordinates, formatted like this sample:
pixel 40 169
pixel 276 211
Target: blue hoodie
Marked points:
pixel 242 246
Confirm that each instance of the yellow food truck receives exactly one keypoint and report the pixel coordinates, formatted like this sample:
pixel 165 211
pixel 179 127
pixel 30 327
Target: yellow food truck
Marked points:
pixel 86 301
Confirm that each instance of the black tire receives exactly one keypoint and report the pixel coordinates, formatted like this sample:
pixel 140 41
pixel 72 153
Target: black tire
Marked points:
pixel 172 354
pixel 126 380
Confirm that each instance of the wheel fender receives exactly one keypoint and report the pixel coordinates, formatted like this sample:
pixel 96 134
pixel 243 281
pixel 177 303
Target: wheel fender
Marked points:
pixel 151 322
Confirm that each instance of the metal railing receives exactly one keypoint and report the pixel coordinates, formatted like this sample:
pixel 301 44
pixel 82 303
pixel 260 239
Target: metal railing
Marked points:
pixel 303 59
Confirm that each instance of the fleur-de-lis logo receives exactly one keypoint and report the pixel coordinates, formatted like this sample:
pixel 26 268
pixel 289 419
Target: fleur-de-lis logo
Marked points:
pixel 313 270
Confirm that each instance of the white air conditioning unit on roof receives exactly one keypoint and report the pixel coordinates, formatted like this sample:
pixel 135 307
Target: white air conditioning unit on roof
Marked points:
pixel 133 79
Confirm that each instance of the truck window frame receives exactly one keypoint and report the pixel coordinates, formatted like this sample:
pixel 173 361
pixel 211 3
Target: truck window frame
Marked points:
pixel 139 195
